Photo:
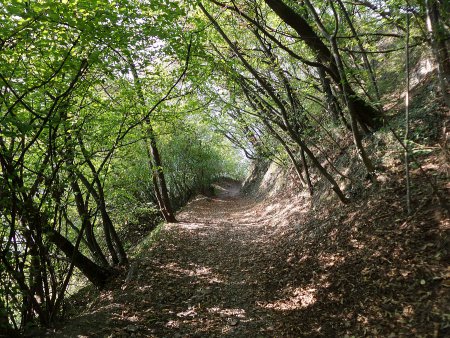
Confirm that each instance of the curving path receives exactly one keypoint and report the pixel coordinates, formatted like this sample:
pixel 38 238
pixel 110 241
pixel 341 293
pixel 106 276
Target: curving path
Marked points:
pixel 212 274
pixel 237 267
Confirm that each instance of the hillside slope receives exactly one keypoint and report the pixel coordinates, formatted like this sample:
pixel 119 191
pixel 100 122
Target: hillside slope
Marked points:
pixel 241 267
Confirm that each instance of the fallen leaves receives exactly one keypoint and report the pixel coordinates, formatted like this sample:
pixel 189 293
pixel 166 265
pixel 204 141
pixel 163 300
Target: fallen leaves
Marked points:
pixel 339 272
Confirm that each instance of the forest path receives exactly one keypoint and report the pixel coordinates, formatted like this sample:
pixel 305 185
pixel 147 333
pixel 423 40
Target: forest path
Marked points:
pixel 226 254
pixel 235 266
pixel 215 273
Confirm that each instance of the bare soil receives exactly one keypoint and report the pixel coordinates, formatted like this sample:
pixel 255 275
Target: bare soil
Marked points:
pixel 238 267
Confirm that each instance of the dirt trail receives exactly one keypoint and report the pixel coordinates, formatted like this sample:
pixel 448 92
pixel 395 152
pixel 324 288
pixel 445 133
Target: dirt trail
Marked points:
pixel 212 274
pixel 235 267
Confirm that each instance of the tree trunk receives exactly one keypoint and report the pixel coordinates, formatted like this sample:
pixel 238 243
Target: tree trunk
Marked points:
pixel 322 170
pixel 87 224
pixel 406 139
pixel 439 37
pixel 367 65
pixel 164 193
pixel 5 326
pixel 112 239
pixel 96 274
pixel 353 110
pixel 291 156
pixel 308 177
pixel 365 113
pixel 155 162
pixel 332 102
pixel 81 204
pixel 355 130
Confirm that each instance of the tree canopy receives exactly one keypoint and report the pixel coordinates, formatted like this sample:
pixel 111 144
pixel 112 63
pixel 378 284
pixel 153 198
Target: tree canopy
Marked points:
pixel 117 111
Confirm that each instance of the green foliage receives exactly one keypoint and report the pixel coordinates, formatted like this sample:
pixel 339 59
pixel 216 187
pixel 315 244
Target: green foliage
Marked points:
pixel 68 109
pixel 195 156
pixel 86 86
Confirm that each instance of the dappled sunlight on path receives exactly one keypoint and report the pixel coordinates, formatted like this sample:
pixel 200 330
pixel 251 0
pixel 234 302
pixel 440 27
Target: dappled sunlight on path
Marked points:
pixel 208 275
pixel 239 267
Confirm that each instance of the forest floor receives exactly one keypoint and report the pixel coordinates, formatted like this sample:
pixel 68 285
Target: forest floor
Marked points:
pixel 239 267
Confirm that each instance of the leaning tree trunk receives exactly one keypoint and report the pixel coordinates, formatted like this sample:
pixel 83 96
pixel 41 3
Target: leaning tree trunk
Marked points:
pixel 366 61
pixel 96 189
pixel 304 148
pixel 96 274
pixel 332 103
pixel 367 115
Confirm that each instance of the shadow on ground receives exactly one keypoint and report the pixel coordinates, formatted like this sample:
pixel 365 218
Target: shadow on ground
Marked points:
pixel 231 268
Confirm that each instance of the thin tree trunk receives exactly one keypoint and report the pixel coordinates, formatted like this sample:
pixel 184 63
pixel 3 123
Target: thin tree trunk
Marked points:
pixel 350 104
pixel 355 131
pixel 82 207
pixel 5 326
pixel 106 228
pixel 322 170
pixel 155 162
pixel 113 241
pixel 87 224
pixel 308 176
pixel 36 280
pixel 367 65
pixel 291 156
pixel 406 139
pixel 164 193
pixel 332 104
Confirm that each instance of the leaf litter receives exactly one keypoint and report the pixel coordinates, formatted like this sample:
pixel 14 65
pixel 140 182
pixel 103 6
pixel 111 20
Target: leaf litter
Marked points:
pixel 234 267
